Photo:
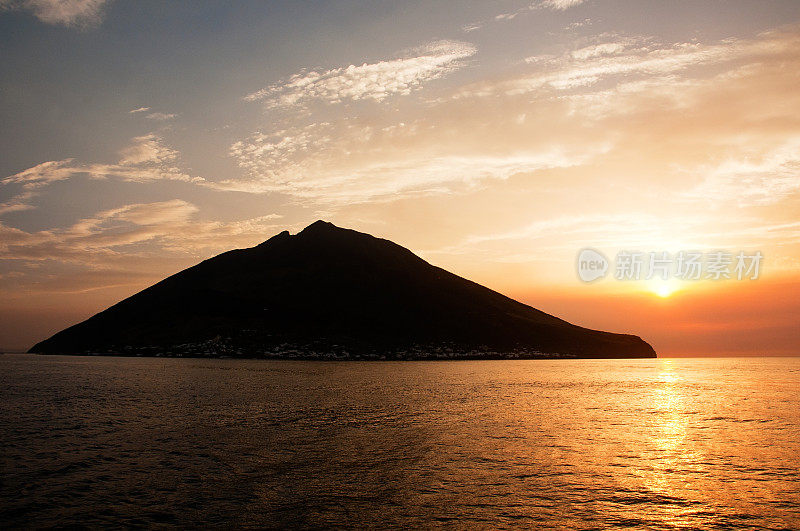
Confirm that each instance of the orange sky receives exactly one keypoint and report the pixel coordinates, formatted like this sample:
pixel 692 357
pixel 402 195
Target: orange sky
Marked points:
pixel 496 141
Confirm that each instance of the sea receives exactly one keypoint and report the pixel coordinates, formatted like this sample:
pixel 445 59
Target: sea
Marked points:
pixel 547 444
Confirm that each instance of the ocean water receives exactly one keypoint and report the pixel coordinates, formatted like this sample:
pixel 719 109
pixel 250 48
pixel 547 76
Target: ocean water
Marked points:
pixel 655 444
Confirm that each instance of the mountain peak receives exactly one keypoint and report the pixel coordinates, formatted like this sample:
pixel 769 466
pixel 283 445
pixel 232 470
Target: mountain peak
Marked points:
pixel 320 226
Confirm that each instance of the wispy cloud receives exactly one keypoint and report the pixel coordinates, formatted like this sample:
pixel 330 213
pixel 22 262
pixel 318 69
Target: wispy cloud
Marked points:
pixel 382 163
pixel 42 174
pixel 147 149
pixel 155 116
pixel 18 203
pixel 555 237
pixel 762 177
pixel 623 58
pixel 129 247
pixel 97 241
pixel 397 179
pixel 579 24
pixel 695 130
pixel 559 238
pixel 60 12
pixel 607 98
pixel 557 5
pixel 160 116
pixel 369 81
pixel 145 159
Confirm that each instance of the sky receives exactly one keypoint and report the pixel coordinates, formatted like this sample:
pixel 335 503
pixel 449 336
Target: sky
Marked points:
pixel 494 139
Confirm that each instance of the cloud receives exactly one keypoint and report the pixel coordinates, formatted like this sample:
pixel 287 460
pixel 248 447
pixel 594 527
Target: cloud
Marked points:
pixel 557 5
pixel 507 16
pixel 616 58
pixel 155 116
pixel 127 247
pixel 369 81
pixel 556 237
pixel 42 174
pixel 147 149
pixel 341 163
pixel 145 159
pixel 105 239
pixel 397 179
pixel 60 12
pixel 579 24
pixel 627 106
pixel 141 215
pixel 18 203
pixel 703 148
pixel 160 116
pixel 629 230
pixel 762 177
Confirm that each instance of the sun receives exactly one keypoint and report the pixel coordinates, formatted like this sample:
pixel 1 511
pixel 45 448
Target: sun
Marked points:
pixel 662 288
pixel 663 291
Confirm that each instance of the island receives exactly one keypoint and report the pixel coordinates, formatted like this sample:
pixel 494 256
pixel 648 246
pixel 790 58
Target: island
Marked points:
pixel 330 293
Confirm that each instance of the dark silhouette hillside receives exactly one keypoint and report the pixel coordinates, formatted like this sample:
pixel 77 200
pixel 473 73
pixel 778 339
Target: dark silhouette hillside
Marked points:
pixel 330 292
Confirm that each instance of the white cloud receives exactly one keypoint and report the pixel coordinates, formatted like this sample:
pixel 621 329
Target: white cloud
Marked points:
pixel 373 81
pixel 558 5
pixel 558 238
pixel 99 240
pixel 160 116
pixel 555 5
pixel 155 116
pixel 145 159
pixel 623 59
pixel 18 203
pixel 147 149
pixel 143 214
pixel 507 16
pixel 533 241
pixel 60 12
pixel 578 24
pixel 761 178
pixel 616 102
pixel 42 174
pixel 335 164
pixel 275 154
pixel 395 179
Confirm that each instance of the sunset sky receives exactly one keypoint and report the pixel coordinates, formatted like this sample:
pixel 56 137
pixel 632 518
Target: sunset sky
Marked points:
pixel 494 139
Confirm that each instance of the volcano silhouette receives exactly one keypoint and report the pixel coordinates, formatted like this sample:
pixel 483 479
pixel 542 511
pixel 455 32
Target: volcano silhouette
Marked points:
pixel 330 293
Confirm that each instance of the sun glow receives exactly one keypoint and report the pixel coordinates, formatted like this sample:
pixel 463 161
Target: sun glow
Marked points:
pixel 662 288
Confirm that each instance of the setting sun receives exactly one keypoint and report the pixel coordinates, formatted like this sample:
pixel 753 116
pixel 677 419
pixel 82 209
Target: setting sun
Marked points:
pixel 662 288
